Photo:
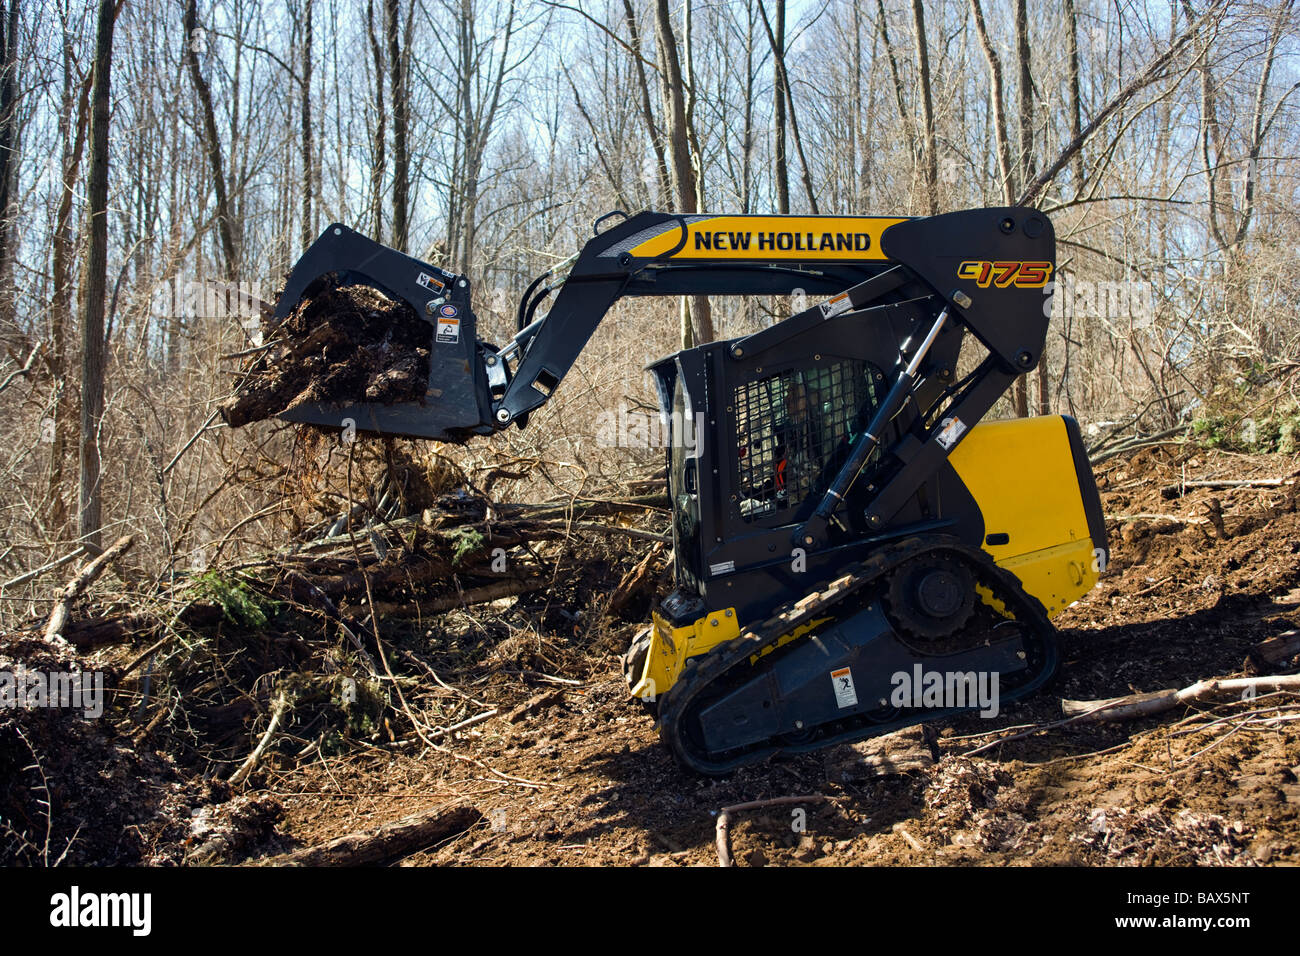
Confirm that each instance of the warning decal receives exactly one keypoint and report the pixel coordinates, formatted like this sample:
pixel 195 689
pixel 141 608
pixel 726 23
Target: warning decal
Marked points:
pixel 951 431
pixel 430 283
pixel 448 328
pixel 833 307
pixel 845 694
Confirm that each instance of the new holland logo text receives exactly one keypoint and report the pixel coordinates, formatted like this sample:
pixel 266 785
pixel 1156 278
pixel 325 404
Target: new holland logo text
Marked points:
pixel 782 241
pixel 770 238
pixel 1001 275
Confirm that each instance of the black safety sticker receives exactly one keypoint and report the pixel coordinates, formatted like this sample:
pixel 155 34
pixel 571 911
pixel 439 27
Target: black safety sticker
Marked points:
pixel 430 283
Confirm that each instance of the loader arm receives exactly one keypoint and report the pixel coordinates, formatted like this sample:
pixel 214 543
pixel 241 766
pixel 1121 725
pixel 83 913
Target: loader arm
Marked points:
pixel 659 254
pixel 985 271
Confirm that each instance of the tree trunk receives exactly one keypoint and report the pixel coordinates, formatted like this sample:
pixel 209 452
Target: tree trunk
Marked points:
pixel 697 318
pixel 1005 169
pixel 8 144
pixel 95 279
pixel 308 223
pixel 1026 162
pixel 225 222
pixel 780 160
pixel 895 75
pixel 778 56
pixel 387 843
pixel 1076 109
pixel 398 87
pixel 378 159
pixel 1025 173
pixel 56 509
pixel 930 161
pixel 647 112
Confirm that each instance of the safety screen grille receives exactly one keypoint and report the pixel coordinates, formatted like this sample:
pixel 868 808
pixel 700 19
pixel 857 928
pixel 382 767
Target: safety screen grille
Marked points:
pixel 793 430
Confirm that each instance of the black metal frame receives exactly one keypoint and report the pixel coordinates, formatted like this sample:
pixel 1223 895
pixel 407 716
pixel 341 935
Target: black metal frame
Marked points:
pixel 887 303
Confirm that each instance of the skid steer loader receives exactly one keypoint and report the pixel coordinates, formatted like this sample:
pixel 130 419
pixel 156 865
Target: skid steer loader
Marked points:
pixel 856 551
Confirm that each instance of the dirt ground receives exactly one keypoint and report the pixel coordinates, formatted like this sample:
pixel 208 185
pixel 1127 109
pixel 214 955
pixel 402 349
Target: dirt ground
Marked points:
pixel 1187 595
pixel 1196 581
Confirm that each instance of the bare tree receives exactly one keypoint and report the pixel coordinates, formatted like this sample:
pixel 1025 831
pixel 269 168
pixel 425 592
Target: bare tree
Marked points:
pixel 697 318
pixel 308 169
pixel 780 162
pixel 194 42
pixel 399 88
pixel 378 136
pixel 94 279
pixel 9 66
pixel 647 111
pixel 929 158
pixel 785 97
pixel 74 120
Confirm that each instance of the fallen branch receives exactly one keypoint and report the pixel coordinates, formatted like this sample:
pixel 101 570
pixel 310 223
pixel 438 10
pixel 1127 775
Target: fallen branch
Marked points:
pixel 307 592
pixel 249 765
pixel 1275 650
pixel 1142 705
pixel 77 586
pixel 634 580
pixel 37 572
pixel 98 632
pixel 1132 706
pixel 476 719
pixel 911 840
pixel 616 529
pixel 534 704
pixel 412 609
pixel 1151 516
pixel 1180 488
pixel 484 594
pixel 583 507
pixel 1030 731
pixel 724 820
pixel 1159 438
pixel 387 843
pixel 899 752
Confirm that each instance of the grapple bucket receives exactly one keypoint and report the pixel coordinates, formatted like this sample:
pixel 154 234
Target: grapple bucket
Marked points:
pixel 457 402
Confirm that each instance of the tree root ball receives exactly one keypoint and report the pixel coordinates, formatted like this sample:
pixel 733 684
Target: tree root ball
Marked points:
pixel 342 344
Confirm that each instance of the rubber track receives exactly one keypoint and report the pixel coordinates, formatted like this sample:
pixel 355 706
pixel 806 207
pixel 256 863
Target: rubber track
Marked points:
pixel 701 673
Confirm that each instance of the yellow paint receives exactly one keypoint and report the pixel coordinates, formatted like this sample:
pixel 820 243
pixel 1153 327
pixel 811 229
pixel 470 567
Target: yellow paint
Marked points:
pixel 1021 473
pixel 785 639
pixel 670 647
pixel 773 238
